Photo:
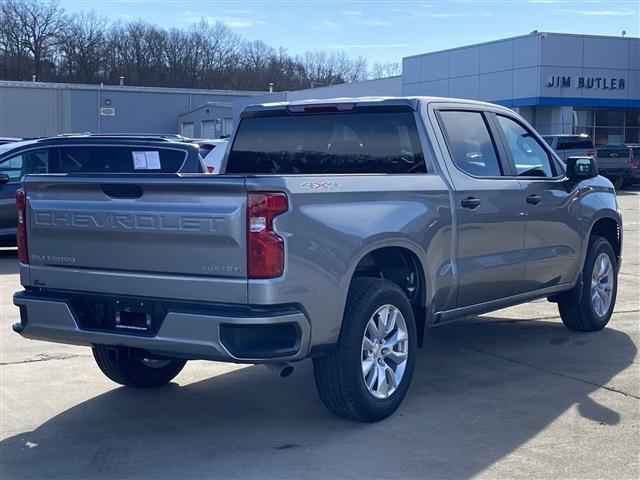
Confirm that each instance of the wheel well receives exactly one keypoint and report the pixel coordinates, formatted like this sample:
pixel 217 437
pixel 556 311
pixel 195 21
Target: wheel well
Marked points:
pixel 609 229
pixel 402 267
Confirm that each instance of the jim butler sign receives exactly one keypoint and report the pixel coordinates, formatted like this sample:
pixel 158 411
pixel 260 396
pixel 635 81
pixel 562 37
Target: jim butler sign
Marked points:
pixel 598 83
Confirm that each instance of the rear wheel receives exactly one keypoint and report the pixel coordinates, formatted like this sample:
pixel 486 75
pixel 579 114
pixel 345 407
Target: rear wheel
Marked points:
pixel 588 307
pixel 368 375
pixel 131 368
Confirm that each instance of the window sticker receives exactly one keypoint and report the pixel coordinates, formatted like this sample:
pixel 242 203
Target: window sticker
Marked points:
pixel 146 160
pixel 139 160
pixel 153 160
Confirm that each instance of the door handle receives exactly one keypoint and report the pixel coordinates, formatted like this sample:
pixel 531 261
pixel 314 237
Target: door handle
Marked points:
pixel 534 199
pixel 470 202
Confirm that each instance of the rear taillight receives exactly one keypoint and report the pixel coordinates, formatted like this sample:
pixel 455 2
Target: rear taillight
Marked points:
pixel 265 249
pixel 589 153
pixel 634 162
pixel 21 232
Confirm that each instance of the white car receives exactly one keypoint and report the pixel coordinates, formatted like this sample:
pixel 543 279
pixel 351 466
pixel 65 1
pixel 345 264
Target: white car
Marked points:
pixel 213 159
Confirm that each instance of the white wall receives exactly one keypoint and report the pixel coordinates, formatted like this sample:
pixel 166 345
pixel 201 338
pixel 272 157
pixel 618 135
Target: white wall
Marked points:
pixel 519 68
pixel 492 71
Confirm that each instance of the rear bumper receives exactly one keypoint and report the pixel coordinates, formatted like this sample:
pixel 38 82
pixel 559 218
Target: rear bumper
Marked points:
pixel 240 335
pixel 633 173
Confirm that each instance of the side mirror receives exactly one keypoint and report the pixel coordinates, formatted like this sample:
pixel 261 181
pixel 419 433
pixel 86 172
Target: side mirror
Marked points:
pixel 581 168
pixel 4 178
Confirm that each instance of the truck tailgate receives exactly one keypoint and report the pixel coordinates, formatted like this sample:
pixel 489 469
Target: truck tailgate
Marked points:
pixel 613 158
pixel 124 235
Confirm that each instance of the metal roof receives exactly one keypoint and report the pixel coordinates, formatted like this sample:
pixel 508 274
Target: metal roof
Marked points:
pixel 126 88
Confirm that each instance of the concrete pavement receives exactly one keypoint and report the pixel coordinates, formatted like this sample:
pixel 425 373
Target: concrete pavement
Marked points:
pixel 512 394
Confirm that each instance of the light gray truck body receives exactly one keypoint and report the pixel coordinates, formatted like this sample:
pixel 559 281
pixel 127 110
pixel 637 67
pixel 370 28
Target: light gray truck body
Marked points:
pixel 159 263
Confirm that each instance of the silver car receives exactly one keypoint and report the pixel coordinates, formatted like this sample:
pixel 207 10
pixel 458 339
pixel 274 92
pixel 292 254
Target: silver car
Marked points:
pixel 569 145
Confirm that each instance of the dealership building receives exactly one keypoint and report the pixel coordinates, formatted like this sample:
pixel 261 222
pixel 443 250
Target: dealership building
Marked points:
pixel 561 83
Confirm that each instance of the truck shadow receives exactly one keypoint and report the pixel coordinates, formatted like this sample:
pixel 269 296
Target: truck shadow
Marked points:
pixel 8 261
pixel 631 190
pixel 481 389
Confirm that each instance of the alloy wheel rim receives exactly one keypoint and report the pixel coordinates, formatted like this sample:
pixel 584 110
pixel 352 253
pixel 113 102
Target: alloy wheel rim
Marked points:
pixel 385 351
pixel 602 284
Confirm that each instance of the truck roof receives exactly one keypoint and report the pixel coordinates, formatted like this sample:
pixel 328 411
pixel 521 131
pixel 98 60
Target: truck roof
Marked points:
pixel 411 102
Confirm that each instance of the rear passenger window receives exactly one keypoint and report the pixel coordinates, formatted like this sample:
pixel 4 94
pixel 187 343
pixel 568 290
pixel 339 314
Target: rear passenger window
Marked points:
pixel 358 142
pixel 106 159
pixel 470 143
pixel 528 156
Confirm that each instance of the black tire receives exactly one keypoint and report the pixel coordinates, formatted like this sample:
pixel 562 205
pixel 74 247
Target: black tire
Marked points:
pixel 129 368
pixel 339 377
pixel 575 306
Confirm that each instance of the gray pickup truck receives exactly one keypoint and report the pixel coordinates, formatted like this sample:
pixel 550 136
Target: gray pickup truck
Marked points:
pixel 619 163
pixel 338 230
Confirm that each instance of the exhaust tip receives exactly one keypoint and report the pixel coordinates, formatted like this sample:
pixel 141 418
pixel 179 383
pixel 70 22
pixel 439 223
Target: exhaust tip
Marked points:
pixel 286 371
pixel 282 369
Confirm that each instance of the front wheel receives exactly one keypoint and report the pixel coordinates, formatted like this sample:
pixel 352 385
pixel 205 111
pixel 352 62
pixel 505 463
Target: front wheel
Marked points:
pixel 367 376
pixel 588 308
pixel 130 367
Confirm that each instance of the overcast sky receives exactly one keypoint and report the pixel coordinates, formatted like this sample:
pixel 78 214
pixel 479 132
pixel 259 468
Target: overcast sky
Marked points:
pixel 379 30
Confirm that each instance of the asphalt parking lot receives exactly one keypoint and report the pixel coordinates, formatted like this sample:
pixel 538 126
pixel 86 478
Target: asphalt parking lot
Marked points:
pixel 512 394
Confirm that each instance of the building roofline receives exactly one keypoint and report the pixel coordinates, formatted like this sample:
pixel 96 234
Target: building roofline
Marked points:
pixel 517 37
pixel 357 82
pixel 208 104
pixel 125 88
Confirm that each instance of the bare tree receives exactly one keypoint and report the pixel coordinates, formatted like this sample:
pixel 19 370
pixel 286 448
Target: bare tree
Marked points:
pixel 386 69
pixel 41 24
pixel 181 58
pixel 39 37
pixel 217 48
pixel 13 51
pixel 351 69
pixel 82 47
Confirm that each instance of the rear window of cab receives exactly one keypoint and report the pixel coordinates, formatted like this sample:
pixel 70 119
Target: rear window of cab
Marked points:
pixel 335 143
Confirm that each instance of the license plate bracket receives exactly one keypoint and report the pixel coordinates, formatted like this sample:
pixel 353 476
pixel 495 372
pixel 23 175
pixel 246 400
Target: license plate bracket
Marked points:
pixel 133 315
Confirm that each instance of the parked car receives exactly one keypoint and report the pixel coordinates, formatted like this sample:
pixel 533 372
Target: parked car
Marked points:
pixel 339 230
pixel 215 157
pixel 619 163
pixel 568 145
pixel 207 147
pixel 5 140
pixel 86 154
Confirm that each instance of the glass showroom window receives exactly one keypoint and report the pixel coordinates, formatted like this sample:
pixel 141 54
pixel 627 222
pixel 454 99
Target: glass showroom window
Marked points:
pixel 632 124
pixel 614 126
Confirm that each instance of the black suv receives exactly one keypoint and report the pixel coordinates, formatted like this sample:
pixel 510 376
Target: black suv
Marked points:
pixel 88 154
